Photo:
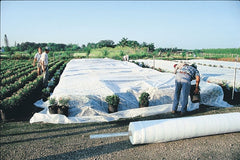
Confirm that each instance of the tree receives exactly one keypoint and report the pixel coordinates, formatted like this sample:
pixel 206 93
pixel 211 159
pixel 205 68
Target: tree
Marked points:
pixel 72 47
pixel 30 50
pixel 88 50
pixel 144 44
pixel 168 54
pixel 151 47
pixel 132 44
pixel 183 54
pixel 92 45
pixel 105 43
pixel 123 42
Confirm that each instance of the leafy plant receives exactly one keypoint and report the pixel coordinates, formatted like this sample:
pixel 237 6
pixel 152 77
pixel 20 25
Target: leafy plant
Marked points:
pixel 51 83
pixel 52 101
pixel 88 51
pixel 121 53
pixel 105 53
pixel 113 100
pixel 63 101
pixel 46 91
pixel 168 54
pixel 144 99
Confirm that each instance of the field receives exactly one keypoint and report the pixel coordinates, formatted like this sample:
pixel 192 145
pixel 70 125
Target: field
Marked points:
pixel 21 87
pixel 21 140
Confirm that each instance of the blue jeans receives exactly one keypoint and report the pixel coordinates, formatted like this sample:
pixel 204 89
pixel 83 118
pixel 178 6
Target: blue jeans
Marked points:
pixel 182 88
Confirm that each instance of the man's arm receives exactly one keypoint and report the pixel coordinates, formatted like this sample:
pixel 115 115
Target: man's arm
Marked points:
pixel 34 61
pixel 42 62
pixel 43 68
pixel 197 84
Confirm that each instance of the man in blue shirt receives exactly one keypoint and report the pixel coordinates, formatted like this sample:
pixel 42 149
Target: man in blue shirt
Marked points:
pixel 184 75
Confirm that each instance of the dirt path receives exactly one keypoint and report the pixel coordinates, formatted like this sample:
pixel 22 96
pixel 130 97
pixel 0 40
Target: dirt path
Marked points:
pixel 21 140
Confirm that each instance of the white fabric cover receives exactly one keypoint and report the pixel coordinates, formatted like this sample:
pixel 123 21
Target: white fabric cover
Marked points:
pixel 87 82
pixel 180 128
pixel 217 74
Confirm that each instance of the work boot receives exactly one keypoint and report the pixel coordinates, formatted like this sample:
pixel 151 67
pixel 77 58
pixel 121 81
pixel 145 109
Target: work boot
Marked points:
pixel 175 112
pixel 184 113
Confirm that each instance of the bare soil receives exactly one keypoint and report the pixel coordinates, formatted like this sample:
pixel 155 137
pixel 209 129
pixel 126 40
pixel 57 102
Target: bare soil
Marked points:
pixel 22 140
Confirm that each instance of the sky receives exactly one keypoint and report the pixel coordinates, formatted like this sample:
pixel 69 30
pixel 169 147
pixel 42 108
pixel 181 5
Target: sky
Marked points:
pixel 167 24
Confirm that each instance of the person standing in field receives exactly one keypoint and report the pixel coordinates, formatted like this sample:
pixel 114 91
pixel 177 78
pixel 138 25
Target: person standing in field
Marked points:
pixel 184 75
pixel 37 58
pixel 44 65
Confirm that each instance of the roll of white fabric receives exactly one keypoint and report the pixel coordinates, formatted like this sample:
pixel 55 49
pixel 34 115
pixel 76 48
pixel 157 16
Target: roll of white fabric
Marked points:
pixel 181 128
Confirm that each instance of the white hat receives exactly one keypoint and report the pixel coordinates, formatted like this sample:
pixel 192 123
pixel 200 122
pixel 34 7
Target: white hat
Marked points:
pixel 47 48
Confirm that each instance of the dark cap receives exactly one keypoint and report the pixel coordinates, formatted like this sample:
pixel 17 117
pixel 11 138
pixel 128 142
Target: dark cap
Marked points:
pixel 194 65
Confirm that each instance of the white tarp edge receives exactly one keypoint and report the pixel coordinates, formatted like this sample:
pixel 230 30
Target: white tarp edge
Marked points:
pixel 44 116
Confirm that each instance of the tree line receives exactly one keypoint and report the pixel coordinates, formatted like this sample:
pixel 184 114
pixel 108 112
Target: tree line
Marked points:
pixel 31 47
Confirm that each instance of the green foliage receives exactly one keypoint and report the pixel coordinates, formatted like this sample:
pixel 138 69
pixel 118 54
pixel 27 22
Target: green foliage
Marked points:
pixel 168 54
pixel 121 53
pixel 21 82
pixel 183 54
pixel 105 53
pixel 7 49
pixel 52 101
pixel 105 43
pixel 223 51
pixel 144 99
pixel 151 47
pixel 46 92
pixel 133 48
pixel 63 101
pixel 88 51
pixel 113 100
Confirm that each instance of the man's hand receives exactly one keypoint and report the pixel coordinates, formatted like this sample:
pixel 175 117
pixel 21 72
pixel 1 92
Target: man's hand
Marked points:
pixel 196 91
pixel 43 68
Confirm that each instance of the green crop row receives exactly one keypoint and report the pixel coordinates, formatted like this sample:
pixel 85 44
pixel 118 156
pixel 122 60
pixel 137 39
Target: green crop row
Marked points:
pixel 10 102
pixel 11 105
pixel 5 68
pixel 8 90
pixel 13 78
pixel 13 71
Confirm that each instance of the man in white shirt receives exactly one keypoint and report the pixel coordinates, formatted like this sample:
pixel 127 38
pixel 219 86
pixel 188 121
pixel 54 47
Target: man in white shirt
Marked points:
pixel 44 64
pixel 37 58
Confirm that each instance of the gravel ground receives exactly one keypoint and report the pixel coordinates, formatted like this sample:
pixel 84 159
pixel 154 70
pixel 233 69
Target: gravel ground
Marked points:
pixel 21 140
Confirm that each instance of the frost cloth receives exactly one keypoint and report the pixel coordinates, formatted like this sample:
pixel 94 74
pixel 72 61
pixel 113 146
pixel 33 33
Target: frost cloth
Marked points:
pixel 87 82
